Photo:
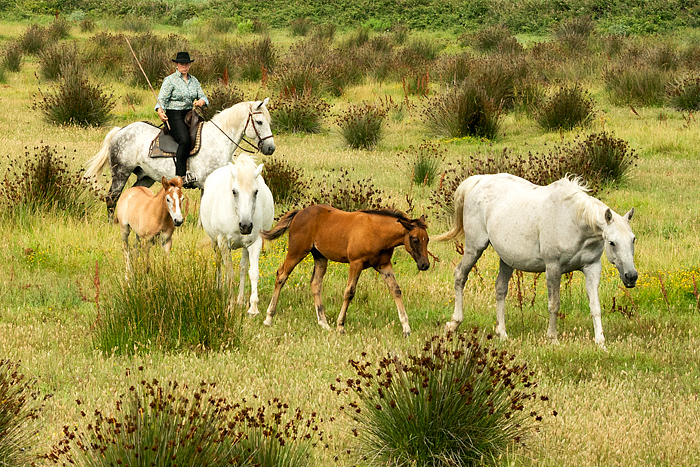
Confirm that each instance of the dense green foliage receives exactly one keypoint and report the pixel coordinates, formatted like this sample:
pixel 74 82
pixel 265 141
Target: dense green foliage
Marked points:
pixel 518 16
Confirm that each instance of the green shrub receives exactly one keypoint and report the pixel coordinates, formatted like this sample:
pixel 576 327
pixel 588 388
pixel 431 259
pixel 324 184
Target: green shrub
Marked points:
pixel 59 29
pixel 222 96
pixel 362 126
pixel 684 93
pixel 166 306
pixel 166 424
pixel 635 84
pixel 664 56
pixel 18 412
pixel 219 25
pixel 488 39
pixel 575 33
pixel 12 56
pixel 399 33
pixel 33 40
pixel 325 31
pixel 299 114
pixel 245 27
pixel 135 23
pixel 464 110
pixel 87 25
pixel 107 54
pixel 457 402
pixel 43 182
pixel 565 109
pixel 600 159
pixel 75 100
pixel 301 26
pixel 255 58
pixel 56 57
pixel 155 59
pixel 357 38
pixel 347 194
pixel 287 183
pixel 424 162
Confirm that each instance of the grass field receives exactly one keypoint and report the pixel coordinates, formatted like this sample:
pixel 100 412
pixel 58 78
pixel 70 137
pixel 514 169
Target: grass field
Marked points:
pixel 634 404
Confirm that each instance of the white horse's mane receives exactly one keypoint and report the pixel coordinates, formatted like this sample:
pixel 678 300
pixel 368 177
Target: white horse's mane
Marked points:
pixel 587 207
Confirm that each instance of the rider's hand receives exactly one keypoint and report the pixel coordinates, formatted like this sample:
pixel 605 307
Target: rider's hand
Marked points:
pixel 200 103
pixel 162 116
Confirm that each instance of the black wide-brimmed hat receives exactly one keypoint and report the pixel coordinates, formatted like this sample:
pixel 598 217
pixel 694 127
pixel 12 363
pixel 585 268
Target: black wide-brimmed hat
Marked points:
pixel 183 57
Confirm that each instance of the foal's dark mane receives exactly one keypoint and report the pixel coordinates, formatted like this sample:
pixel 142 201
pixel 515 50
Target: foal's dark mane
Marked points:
pixel 395 213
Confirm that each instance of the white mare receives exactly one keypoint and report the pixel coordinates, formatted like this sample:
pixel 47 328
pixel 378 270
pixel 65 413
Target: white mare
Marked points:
pixel 236 206
pixel 554 229
pixel 126 150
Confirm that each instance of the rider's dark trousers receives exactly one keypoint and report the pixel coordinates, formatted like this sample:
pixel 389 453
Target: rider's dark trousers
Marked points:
pixel 181 134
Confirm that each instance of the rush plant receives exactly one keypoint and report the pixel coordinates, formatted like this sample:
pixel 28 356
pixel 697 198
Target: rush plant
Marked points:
pixel 456 402
pixel 362 126
pixel 565 109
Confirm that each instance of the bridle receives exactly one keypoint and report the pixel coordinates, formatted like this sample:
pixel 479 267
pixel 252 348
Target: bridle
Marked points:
pixel 243 138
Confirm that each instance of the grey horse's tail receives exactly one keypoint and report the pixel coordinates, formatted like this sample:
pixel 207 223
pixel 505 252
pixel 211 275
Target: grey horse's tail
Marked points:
pixel 461 193
pixel 281 227
pixel 97 164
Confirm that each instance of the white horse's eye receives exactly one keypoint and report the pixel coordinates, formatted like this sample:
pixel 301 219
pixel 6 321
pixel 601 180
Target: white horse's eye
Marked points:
pixel 235 192
pixel 612 243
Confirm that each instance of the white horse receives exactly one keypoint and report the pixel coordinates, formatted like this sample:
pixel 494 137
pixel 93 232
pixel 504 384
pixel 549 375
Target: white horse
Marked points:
pixel 236 206
pixel 126 150
pixel 556 229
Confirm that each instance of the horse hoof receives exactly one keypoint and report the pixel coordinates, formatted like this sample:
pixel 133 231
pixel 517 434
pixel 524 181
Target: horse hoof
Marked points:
pixel 268 321
pixel 406 334
pixel 341 330
pixel 451 327
pixel 253 313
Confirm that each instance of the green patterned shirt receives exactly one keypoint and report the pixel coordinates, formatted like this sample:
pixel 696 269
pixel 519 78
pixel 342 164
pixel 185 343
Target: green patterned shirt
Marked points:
pixel 176 94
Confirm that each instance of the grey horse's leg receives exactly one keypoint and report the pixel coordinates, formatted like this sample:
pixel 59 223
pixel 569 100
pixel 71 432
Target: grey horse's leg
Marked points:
pixel 553 275
pixel 142 179
pixel 120 175
pixel 469 259
pixel 504 274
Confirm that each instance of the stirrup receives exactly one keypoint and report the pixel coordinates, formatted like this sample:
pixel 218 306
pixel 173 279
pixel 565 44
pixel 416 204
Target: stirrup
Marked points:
pixel 188 180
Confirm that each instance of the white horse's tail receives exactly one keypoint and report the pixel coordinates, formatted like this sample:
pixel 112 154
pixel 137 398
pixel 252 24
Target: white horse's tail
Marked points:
pixel 461 193
pixel 97 164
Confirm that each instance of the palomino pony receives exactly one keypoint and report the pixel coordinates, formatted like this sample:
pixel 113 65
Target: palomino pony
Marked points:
pixel 126 150
pixel 362 238
pixel 553 229
pixel 236 206
pixel 150 215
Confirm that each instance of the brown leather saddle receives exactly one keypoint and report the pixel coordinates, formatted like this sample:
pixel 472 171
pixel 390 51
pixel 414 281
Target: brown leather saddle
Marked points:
pixel 164 145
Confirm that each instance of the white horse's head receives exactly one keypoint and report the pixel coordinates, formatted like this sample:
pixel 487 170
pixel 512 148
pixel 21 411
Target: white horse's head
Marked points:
pixel 258 126
pixel 244 187
pixel 619 245
pixel 174 198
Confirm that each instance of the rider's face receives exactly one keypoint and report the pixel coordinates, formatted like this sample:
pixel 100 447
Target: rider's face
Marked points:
pixel 183 67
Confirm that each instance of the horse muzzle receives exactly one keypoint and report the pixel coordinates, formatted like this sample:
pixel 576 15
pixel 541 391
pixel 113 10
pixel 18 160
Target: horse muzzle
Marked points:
pixel 178 222
pixel 629 279
pixel 267 146
pixel 423 264
pixel 245 227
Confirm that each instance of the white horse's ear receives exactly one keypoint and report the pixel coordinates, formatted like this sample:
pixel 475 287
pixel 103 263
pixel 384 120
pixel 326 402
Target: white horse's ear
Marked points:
pixel 258 170
pixel 263 103
pixel 608 215
pixel 629 214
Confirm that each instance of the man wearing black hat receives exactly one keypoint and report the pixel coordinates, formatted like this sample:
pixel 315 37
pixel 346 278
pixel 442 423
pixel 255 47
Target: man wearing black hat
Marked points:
pixel 178 93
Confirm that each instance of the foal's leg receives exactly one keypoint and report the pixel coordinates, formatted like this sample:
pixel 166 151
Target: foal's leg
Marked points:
pixel 320 267
pixel 462 270
pixel 592 273
pixel 252 253
pixel 504 274
pixel 553 275
pixel 387 273
pixel 283 273
pixel 353 275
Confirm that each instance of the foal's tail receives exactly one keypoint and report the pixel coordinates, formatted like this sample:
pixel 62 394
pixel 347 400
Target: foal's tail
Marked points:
pixel 97 164
pixel 281 227
pixel 461 193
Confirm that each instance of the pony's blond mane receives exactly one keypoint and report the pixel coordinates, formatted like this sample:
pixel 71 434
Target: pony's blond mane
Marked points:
pixel 245 165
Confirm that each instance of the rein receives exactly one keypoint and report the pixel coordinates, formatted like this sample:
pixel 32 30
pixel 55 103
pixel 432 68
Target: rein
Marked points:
pixel 249 119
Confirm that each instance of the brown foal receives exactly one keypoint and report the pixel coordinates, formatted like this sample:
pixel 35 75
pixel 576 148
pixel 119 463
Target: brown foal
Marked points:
pixel 150 215
pixel 362 238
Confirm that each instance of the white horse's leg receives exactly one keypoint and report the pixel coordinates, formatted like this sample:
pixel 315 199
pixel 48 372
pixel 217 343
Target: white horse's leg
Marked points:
pixel 254 273
pixel 553 275
pixel 461 274
pixel 592 273
pixel 505 272
pixel 217 259
pixel 242 271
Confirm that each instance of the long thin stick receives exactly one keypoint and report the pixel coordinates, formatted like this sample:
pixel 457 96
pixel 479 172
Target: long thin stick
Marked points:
pixel 145 76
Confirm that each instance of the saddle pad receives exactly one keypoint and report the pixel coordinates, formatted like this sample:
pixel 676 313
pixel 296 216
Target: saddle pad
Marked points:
pixel 165 146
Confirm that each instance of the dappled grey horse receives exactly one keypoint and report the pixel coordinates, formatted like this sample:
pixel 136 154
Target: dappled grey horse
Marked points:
pixel 554 229
pixel 126 150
